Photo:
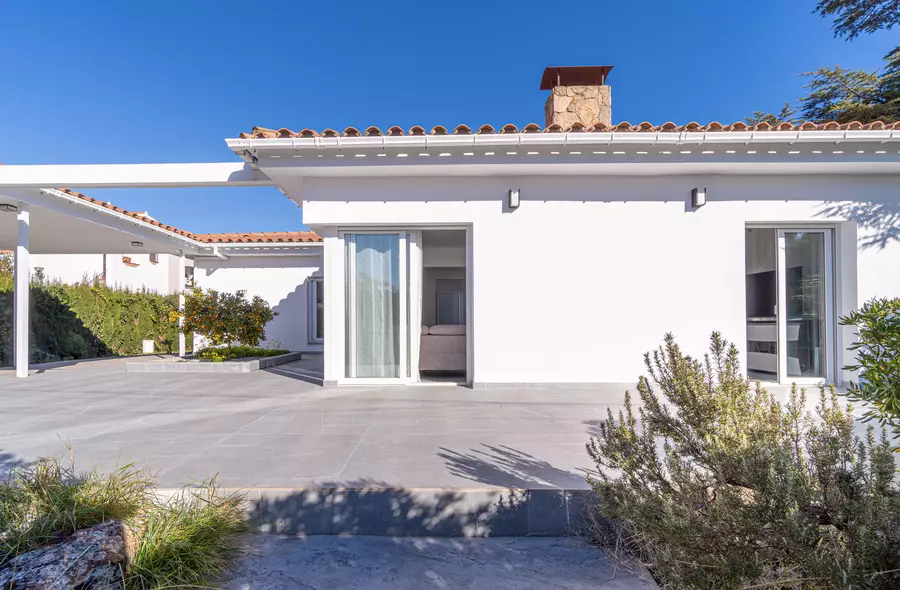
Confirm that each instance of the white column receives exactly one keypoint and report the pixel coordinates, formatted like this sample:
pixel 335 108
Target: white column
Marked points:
pixel 21 324
pixel 182 341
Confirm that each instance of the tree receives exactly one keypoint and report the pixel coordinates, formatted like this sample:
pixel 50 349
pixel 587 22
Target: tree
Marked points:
pixel 785 115
pixel 842 95
pixel 226 318
pixel 839 94
pixel 854 17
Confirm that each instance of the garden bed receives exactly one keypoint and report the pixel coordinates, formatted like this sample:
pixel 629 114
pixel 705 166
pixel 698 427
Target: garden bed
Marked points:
pixel 195 365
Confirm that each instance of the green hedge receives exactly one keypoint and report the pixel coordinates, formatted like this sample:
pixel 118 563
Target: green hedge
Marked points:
pixel 88 320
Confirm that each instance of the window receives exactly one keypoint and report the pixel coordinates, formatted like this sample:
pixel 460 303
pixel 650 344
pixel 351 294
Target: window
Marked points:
pixel 316 301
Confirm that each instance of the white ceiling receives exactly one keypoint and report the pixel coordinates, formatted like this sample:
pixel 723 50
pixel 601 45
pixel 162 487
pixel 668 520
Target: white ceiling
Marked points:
pixel 53 232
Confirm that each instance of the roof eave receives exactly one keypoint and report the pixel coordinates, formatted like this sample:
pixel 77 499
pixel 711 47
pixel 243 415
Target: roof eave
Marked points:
pixel 247 147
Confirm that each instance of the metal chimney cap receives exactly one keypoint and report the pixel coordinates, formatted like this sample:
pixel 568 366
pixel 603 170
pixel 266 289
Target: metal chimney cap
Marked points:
pixel 574 76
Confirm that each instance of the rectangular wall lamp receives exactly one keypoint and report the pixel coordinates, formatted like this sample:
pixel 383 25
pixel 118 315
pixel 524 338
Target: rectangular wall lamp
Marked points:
pixel 698 197
pixel 513 198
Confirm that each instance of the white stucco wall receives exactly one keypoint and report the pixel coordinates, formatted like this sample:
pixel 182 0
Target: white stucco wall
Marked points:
pixel 282 281
pixel 73 268
pixel 68 268
pixel 591 272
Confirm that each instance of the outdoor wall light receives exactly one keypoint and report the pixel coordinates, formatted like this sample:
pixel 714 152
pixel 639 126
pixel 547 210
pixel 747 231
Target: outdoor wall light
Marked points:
pixel 698 197
pixel 137 244
pixel 513 198
pixel 8 208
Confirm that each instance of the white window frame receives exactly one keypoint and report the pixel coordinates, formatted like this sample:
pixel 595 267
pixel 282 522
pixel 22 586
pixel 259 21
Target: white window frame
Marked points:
pixel 410 242
pixel 313 318
pixel 831 353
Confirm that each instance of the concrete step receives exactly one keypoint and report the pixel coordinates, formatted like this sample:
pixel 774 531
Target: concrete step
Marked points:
pixel 420 512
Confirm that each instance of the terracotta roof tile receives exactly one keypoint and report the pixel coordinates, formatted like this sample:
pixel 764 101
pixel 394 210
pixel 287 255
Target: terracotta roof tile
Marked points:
pixel 260 237
pixel 263 237
pixel 692 127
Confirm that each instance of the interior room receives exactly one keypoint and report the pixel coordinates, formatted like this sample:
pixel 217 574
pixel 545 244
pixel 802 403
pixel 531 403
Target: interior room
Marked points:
pixel 442 349
pixel 804 276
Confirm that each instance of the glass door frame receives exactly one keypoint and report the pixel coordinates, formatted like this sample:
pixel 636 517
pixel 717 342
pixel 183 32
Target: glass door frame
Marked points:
pixel 781 314
pixel 409 262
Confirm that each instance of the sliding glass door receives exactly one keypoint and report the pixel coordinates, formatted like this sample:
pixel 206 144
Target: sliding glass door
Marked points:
pixel 790 305
pixel 379 317
pixel 805 305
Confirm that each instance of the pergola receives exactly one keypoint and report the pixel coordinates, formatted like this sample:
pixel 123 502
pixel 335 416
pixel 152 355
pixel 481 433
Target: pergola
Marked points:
pixel 37 218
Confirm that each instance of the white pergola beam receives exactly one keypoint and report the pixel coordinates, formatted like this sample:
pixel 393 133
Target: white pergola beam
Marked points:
pixel 21 294
pixel 133 175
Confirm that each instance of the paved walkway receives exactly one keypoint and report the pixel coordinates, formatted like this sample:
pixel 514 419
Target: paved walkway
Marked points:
pixel 269 429
pixel 384 563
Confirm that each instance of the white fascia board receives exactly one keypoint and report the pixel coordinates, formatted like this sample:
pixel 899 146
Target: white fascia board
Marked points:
pixel 132 175
pixel 510 140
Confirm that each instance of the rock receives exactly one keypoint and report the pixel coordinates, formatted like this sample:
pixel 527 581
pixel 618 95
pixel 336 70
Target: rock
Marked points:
pixel 90 559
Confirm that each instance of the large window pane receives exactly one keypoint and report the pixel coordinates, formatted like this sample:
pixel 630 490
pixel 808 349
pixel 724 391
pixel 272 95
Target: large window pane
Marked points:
pixel 805 274
pixel 377 294
pixel 320 310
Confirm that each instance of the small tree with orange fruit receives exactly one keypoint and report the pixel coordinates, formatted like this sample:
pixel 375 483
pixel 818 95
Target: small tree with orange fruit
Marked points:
pixel 226 318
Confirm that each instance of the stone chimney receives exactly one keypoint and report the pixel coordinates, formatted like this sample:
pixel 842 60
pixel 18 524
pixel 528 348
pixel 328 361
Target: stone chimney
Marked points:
pixel 578 94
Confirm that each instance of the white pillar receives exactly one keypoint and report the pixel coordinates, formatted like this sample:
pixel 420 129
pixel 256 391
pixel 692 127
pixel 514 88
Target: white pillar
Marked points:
pixel 182 341
pixel 21 287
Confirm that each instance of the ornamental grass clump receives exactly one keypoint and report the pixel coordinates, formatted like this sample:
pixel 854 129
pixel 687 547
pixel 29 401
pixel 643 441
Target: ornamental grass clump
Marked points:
pixel 48 501
pixel 715 484
pixel 188 540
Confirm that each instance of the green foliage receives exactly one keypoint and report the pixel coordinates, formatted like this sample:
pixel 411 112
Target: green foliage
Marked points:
pixel 715 484
pixel 853 17
pixel 843 95
pixel 226 318
pixel 839 94
pixel 189 541
pixel 878 360
pixel 87 320
pixel 42 503
pixel 786 115
pixel 237 352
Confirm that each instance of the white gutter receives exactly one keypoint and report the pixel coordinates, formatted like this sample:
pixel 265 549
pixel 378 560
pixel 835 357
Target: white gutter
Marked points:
pixel 219 254
pixel 245 147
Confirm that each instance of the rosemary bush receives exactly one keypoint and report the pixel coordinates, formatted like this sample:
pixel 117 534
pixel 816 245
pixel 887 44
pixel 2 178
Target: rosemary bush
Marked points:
pixel 715 484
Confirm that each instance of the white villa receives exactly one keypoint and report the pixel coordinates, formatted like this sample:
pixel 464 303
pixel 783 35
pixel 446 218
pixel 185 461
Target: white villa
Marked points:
pixel 551 255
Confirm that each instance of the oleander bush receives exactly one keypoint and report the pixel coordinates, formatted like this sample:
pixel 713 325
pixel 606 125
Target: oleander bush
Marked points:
pixel 237 352
pixel 715 484
pixel 88 319
pixel 878 361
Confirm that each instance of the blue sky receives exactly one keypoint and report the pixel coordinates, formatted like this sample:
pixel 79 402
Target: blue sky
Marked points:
pixel 123 82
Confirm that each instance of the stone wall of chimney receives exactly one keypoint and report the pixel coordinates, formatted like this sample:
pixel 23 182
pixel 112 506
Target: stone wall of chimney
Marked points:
pixel 587 105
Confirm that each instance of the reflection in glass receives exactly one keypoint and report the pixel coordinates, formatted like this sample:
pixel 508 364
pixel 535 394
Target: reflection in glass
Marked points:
pixel 805 296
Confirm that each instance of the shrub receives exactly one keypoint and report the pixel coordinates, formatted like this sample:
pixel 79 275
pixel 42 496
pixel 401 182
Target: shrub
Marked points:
pixel 717 485
pixel 878 361
pixel 237 352
pixel 226 318
pixel 86 320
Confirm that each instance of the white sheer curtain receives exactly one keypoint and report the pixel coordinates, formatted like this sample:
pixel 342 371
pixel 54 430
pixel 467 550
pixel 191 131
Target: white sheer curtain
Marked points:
pixel 377 305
